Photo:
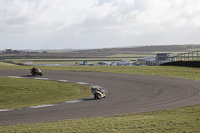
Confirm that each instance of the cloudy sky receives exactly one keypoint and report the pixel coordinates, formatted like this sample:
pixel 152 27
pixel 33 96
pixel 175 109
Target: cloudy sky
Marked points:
pixel 62 24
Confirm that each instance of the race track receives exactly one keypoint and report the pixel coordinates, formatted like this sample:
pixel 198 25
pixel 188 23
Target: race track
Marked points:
pixel 126 94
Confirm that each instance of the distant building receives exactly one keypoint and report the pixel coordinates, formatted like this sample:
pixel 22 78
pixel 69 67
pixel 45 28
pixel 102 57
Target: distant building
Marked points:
pixel 155 61
pixel 10 51
pixel 163 58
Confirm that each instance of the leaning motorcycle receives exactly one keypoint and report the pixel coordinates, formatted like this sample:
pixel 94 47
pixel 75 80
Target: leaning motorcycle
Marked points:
pixel 98 93
pixel 36 72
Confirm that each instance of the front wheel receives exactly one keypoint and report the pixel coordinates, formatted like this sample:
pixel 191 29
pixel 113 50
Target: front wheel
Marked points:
pixel 40 74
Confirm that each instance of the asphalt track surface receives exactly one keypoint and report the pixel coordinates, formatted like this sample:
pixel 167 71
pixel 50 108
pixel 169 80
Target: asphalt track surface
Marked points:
pixel 127 93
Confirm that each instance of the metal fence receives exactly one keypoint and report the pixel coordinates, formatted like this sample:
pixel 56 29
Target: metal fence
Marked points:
pixel 194 55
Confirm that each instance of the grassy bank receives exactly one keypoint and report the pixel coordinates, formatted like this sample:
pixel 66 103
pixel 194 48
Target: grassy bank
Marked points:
pixel 182 120
pixel 19 93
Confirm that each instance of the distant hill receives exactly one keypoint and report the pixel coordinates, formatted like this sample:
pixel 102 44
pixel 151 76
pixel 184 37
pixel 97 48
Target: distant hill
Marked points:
pixel 105 52
pixel 144 49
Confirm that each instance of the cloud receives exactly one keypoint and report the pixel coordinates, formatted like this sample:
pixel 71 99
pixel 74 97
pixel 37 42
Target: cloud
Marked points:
pixel 108 22
pixel 43 15
pixel 124 15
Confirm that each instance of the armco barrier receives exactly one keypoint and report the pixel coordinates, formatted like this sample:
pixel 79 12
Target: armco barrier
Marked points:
pixel 183 63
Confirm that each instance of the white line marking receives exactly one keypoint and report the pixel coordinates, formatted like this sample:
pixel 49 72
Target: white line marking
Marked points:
pixel 2 110
pixel 74 101
pixel 42 78
pixel 41 106
pixel 82 83
pixel 15 77
pixel 62 80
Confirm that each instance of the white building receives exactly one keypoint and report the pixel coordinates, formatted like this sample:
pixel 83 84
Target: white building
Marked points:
pixel 163 58
pixel 155 61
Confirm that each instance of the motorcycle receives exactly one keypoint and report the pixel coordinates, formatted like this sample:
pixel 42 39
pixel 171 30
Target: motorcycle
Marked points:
pixel 98 93
pixel 36 72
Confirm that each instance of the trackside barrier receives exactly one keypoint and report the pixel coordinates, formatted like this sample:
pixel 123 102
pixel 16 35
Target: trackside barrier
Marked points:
pixel 183 63
pixel 194 55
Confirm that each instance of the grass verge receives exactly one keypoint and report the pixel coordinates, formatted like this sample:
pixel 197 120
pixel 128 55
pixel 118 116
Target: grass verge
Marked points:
pixel 183 120
pixel 19 93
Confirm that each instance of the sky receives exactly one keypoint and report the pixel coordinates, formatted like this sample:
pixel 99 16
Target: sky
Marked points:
pixel 86 24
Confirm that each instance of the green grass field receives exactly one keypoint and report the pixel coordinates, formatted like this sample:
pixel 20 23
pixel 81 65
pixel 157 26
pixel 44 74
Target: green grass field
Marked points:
pixel 19 93
pixel 183 120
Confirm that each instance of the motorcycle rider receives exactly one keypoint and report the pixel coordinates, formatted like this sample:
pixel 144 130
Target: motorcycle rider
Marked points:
pixel 33 70
pixel 95 90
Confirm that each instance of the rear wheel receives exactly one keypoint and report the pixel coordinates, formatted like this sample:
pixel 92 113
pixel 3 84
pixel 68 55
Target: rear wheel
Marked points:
pixel 97 96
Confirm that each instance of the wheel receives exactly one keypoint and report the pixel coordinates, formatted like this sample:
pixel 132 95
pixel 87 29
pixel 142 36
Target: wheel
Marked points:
pixel 97 96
